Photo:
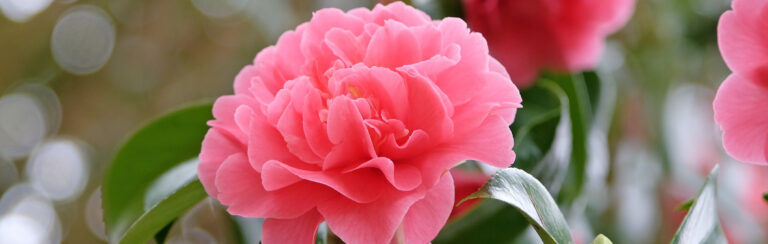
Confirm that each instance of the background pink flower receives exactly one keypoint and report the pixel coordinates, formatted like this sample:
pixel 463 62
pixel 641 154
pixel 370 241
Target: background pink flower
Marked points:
pixel 534 35
pixel 355 119
pixel 743 97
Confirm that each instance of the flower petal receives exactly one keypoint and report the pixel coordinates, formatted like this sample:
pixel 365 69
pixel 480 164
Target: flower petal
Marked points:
pixel 348 184
pixel 745 129
pixel 299 230
pixel 427 216
pixel 241 190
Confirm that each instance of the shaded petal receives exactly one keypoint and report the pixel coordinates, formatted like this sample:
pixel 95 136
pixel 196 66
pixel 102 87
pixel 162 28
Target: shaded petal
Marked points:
pixel 737 108
pixel 427 216
pixel 741 35
pixel 361 186
pixel 393 36
pixel 373 222
pixel 299 230
pixel 352 143
pixel 216 148
pixel 402 176
pixel 241 190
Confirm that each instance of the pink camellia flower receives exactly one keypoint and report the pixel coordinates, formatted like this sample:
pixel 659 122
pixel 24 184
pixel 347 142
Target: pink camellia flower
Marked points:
pixel 529 36
pixel 743 41
pixel 355 119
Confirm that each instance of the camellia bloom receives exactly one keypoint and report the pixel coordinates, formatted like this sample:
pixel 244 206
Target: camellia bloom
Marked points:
pixel 534 35
pixel 743 41
pixel 355 119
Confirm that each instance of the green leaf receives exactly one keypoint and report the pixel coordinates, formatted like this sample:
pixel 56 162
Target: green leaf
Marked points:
pixel 492 221
pixel 701 224
pixel 439 9
pixel 685 206
pixel 526 194
pixel 535 125
pixel 577 88
pixel 765 197
pixel 152 180
pixel 601 239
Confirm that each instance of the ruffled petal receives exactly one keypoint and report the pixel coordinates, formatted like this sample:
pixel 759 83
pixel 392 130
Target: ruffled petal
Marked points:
pixel 427 216
pixel 374 222
pixel 745 129
pixel 277 175
pixel 352 144
pixel 298 230
pixel 241 190
pixel 216 148
pixel 402 176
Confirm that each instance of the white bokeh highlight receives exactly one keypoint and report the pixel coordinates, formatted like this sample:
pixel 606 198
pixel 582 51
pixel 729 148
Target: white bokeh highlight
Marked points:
pixel 59 169
pixel 23 10
pixel 83 39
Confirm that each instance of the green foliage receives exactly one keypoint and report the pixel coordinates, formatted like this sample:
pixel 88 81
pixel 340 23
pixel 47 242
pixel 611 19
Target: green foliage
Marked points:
pixel 535 125
pixel 601 239
pixel 526 194
pixel 152 180
pixel 582 92
pixel 701 224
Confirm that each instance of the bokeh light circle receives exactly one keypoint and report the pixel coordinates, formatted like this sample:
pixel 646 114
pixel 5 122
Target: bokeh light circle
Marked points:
pixel 83 39
pixel 27 217
pixel 23 10
pixel 22 124
pixel 58 169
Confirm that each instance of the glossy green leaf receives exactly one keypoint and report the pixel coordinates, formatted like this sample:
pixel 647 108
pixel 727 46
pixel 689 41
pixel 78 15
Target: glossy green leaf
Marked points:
pixel 152 179
pixel 701 224
pixel 535 125
pixel 526 194
pixel 601 239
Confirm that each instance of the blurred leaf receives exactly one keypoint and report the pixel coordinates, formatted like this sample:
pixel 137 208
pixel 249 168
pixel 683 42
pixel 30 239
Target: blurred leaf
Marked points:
pixel 529 197
pixel 701 224
pixel 439 9
pixel 765 197
pixel 163 233
pixel 685 206
pixel 577 88
pixel 150 183
pixel 535 125
pixel 601 239
pixel 491 221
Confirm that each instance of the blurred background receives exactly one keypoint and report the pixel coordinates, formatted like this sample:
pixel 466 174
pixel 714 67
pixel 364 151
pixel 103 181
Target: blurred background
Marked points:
pixel 77 77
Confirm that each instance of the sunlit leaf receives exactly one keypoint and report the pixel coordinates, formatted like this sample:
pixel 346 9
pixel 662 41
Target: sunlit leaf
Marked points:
pixel 601 239
pixel 152 180
pixel 526 194
pixel 701 224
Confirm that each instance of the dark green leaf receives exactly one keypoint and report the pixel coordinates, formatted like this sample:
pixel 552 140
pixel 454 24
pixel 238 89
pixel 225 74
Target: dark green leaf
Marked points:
pixel 577 89
pixel 685 206
pixel 765 197
pixel 701 224
pixel 492 221
pixel 439 9
pixel 522 191
pixel 601 239
pixel 535 125
pixel 163 234
pixel 141 192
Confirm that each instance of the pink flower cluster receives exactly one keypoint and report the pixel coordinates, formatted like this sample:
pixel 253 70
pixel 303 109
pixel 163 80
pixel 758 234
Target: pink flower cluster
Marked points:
pixel 529 36
pixel 355 119
pixel 743 41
